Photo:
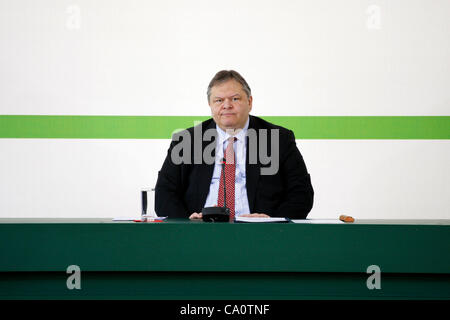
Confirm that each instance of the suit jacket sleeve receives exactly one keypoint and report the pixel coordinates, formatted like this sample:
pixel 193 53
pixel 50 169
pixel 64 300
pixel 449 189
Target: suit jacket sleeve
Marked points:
pixel 298 199
pixel 169 190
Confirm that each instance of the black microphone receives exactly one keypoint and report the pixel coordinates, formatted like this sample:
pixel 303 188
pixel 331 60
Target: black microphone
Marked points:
pixel 218 214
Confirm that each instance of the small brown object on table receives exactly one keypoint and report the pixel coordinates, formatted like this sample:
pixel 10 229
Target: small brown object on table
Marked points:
pixel 345 218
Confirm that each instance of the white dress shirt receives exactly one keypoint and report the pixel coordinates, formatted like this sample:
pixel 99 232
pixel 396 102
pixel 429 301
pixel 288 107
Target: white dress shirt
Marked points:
pixel 240 189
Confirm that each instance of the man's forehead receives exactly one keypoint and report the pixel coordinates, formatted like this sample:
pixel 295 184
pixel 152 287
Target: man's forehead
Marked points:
pixel 225 95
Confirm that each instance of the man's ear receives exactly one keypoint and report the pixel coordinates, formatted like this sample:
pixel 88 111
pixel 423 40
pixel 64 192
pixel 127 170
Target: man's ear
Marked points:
pixel 250 103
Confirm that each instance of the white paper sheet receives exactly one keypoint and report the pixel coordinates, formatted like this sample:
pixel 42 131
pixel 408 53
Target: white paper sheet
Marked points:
pixel 149 218
pixel 318 221
pixel 126 218
pixel 259 220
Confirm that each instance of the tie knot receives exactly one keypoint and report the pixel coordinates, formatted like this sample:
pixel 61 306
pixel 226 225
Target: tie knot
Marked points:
pixel 232 139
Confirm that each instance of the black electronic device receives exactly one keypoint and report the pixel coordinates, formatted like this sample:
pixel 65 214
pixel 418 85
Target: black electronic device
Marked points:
pixel 215 214
pixel 218 214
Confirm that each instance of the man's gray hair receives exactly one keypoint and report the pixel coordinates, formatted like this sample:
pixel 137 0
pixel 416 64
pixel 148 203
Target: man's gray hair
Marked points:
pixel 225 75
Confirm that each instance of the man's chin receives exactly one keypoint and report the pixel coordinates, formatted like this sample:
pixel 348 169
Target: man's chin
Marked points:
pixel 228 124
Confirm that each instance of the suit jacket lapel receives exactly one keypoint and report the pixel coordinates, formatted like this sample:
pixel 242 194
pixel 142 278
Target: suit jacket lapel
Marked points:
pixel 252 170
pixel 205 171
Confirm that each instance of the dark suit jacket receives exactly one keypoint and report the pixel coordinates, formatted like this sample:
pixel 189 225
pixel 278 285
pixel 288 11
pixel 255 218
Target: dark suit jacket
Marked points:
pixel 182 189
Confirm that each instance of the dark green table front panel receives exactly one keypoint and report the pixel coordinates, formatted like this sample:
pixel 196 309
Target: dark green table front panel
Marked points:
pixel 198 246
pixel 221 285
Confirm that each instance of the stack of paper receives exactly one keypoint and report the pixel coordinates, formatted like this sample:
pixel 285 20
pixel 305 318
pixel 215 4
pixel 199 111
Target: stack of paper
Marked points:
pixel 319 221
pixel 259 220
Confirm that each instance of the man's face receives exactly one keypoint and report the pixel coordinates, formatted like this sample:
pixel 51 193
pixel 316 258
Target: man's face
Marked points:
pixel 230 105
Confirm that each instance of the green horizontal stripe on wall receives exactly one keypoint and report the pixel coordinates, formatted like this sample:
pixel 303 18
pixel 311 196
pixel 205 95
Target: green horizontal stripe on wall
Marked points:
pixel 162 127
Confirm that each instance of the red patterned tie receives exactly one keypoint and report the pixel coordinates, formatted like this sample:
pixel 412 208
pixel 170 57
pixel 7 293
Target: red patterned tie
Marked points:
pixel 230 170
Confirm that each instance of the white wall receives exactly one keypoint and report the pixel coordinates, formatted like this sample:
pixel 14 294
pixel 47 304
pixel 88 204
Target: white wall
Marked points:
pixel 325 57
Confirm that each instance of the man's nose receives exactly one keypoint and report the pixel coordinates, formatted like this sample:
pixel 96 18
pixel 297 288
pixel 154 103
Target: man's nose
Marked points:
pixel 227 103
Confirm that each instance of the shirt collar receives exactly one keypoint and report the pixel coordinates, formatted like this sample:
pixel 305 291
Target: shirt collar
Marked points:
pixel 223 135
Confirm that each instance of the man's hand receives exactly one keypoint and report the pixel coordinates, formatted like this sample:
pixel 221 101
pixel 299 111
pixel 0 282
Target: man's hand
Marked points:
pixel 255 215
pixel 196 216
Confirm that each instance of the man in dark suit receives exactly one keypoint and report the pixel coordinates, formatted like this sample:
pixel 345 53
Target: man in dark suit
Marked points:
pixel 268 175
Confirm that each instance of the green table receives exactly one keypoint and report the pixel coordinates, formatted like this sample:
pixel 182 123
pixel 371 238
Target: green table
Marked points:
pixel 181 259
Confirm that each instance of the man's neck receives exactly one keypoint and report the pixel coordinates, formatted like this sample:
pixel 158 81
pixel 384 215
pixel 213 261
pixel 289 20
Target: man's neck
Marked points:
pixel 232 131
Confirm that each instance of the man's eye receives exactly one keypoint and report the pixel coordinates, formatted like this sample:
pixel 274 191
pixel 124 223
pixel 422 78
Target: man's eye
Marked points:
pixel 235 99
pixel 218 100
